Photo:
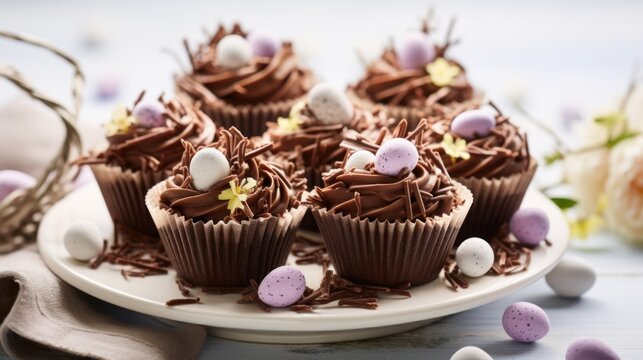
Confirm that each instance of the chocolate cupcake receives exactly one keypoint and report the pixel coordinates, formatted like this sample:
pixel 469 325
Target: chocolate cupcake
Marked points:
pixel 390 214
pixel 144 146
pixel 244 80
pixel 227 216
pixel 412 75
pixel 484 151
pixel 311 134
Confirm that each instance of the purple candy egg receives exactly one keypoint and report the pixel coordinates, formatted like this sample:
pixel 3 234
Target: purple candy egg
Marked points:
pixel 149 114
pixel 414 50
pixel 395 155
pixel 525 322
pixel 263 44
pixel 530 226
pixel 473 123
pixel 590 349
pixel 12 180
pixel 282 287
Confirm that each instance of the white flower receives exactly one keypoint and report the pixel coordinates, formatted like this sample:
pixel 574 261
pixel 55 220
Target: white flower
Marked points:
pixel 634 110
pixel 586 173
pixel 624 212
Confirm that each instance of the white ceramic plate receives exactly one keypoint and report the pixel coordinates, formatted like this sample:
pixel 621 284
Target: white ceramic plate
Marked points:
pixel 228 319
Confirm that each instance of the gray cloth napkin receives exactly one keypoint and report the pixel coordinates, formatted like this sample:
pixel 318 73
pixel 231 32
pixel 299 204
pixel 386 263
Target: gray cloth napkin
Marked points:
pixel 44 318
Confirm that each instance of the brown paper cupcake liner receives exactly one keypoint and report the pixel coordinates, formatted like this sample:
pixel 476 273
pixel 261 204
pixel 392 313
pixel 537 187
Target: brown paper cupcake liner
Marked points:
pixel 387 253
pixel 224 254
pixel 249 119
pixel 124 193
pixel 314 177
pixel 494 202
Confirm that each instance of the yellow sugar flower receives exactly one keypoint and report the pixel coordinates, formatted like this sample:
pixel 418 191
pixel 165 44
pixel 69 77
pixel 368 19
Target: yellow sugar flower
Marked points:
pixel 455 148
pixel 237 194
pixel 442 72
pixel 121 122
pixel 291 123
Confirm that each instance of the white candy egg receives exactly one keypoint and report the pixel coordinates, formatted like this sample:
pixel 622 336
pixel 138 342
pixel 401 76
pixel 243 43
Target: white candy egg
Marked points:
pixel 207 167
pixel 83 240
pixel 471 353
pixel 329 104
pixel 572 277
pixel 474 257
pixel 359 160
pixel 234 51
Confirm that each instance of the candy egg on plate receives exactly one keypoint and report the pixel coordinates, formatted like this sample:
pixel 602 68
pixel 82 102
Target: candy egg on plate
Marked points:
pixel 474 257
pixel 83 240
pixel 282 287
pixel 530 226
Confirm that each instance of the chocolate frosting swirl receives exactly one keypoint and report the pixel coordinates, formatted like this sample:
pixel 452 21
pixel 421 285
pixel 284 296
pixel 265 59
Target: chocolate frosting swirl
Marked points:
pixel 386 82
pixel 276 192
pixel 503 152
pixel 315 144
pixel 422 193
pixel 158 148
pixel 263 80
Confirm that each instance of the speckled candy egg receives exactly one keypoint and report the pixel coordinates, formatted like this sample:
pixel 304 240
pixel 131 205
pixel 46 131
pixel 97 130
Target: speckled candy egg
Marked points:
pixel 83 240
pixel 530 226
pixel 471 353
pixel 263 44
pixel 414 50
pixel 233 51
pixel 395 155
pixel 359 160
pixel 207 167
pixel 590 349
pixel 329 104
pixel 12 180
pixel 282 287
pixel 572 277
pixel 472 124
pixel 149 114
pixel 474 257
pixel 525 322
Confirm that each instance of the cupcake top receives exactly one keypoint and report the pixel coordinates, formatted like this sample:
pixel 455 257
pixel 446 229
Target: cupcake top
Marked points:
pixel 311 135
pixel 238 68
pixel 394 180
pixel 478 142
pixel 148 136
pixel 415 72
pixel 229 181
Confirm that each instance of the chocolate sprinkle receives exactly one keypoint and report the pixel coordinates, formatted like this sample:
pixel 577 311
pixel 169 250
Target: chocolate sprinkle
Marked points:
pixel 183 301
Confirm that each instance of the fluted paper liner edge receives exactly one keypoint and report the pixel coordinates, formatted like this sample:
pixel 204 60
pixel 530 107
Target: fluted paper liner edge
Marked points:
pixel 495 201
pixel 124 194
pixel 387 253
pixel 224 254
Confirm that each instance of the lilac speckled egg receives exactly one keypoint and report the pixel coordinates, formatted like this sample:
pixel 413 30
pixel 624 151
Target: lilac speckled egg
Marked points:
pixel 263 44
pixel 149 114
pixel 395 155
pixel 282 287
pixel 530 226
pixel 525 322
pixel 590 349
pixel 472 124
pixel 12 180
pixel 414 50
